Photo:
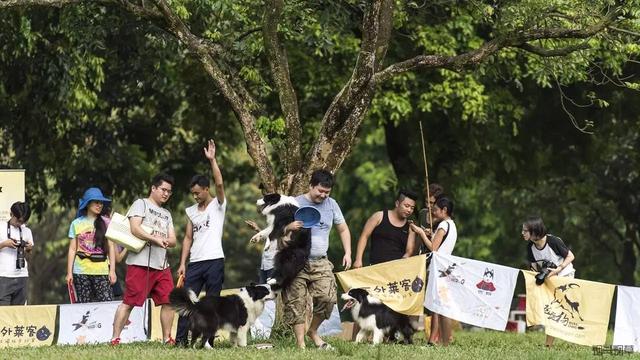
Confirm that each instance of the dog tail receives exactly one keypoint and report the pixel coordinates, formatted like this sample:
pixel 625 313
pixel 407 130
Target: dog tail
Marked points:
pixel 183 301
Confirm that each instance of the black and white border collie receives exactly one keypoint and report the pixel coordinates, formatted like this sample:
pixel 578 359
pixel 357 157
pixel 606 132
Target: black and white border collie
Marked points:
pixel 293 248
pixel 233 313
pixel 375 317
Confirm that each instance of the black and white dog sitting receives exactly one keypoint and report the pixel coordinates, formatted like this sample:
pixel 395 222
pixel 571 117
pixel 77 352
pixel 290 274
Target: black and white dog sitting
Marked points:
pixel 234 313
pixel 292 248
pixel 375 317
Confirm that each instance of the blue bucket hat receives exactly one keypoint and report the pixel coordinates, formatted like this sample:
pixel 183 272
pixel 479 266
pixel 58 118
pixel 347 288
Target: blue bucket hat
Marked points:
pixel 91 194
pixel 309 216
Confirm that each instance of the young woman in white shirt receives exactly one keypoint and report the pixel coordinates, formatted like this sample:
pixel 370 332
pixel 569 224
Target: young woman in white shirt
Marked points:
pixel 442 241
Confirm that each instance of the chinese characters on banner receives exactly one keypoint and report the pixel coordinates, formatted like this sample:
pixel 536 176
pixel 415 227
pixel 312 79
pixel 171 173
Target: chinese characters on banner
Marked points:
pixel 399 284
pixel 570 309
pixel 35 327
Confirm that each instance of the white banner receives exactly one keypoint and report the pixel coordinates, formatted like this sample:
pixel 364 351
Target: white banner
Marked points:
pixel 627 329
pixel 11 190
pixel 471 291
pixel 261 329
pixel 332 326
pixel 93 323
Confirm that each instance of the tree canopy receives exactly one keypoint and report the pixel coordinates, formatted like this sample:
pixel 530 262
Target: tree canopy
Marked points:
pixel 301 76
pixel 109 92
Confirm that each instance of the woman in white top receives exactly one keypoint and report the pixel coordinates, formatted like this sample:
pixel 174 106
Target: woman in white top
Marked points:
pixel 443 241
pixel 544 247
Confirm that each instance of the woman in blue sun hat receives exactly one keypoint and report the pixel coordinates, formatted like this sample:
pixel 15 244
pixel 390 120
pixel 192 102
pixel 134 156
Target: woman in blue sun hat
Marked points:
pixel 91 262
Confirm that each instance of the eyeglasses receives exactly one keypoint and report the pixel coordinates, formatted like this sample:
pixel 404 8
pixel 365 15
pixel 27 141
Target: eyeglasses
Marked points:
pixel 166 191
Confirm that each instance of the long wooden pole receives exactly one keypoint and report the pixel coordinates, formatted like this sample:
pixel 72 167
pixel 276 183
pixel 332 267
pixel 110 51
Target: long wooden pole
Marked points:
pixel 426 173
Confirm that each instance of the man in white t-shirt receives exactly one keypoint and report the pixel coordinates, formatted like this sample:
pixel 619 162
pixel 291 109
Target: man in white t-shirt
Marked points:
pixel 13 270
pixel 202 244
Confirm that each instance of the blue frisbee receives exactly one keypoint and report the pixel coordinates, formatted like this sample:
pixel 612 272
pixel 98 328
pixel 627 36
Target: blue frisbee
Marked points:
pixel 308 215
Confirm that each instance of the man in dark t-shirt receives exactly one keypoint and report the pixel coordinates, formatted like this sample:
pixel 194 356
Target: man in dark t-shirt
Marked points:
pixel 389 232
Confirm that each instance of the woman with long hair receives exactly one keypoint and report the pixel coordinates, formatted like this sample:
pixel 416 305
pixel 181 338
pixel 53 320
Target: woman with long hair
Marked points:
pixel 91 260
pixel 443 241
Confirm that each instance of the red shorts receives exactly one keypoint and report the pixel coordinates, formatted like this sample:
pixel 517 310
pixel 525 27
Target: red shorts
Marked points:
pixel 159 286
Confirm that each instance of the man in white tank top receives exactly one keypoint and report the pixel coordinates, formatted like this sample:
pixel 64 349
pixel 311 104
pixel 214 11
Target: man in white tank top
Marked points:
pixel 202 243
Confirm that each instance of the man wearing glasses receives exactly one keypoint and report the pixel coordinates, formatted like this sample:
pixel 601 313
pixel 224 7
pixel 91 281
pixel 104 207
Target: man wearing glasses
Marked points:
pixel 148 271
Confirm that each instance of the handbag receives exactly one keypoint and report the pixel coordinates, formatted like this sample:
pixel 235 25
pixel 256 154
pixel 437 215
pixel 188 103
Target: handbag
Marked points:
pixel 92 257
pixel 119 232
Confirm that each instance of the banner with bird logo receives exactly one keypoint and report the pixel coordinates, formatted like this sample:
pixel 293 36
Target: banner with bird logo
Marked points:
pixel 570 309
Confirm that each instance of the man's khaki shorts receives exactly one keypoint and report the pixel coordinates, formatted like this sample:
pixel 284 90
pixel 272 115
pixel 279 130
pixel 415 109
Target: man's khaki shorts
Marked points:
pixel 316 280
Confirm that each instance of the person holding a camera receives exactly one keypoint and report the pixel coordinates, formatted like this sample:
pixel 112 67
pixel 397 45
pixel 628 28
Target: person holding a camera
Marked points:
pixel 548 254
pixel 91 259
pixel 15 241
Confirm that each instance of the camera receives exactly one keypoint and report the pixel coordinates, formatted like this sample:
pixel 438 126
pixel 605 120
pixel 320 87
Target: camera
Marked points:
pixel 20 262
pixel 545 268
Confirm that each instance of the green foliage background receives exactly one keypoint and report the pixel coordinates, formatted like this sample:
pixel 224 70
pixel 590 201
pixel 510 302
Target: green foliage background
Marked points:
pixel 91 95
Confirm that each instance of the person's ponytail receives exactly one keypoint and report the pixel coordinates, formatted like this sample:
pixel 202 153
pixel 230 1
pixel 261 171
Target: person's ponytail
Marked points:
pixel 99 238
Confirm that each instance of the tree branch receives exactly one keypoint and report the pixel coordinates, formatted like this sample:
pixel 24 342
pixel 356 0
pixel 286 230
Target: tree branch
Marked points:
pixel 362 72
pixel 279 65
pixel 474 57
pixel 344 116
pixel 236 95
pixel 553 52
pixel 345 109
pixel 242 105
pixel 138 10
pixel 625 31
pixel 588 124
pixel 8 4
pixel 247 33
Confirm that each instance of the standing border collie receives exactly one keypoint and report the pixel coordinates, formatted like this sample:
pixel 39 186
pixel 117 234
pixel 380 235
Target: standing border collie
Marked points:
pixel 234 313
pixel 293 248
pixel 375 317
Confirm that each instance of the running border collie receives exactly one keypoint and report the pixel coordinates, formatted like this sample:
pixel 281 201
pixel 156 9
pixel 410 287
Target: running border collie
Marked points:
pixel 292 249
pixel 375 317
pixel 234 313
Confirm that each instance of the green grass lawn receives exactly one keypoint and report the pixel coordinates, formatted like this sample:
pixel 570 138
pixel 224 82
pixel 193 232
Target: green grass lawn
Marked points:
pixel 467 345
